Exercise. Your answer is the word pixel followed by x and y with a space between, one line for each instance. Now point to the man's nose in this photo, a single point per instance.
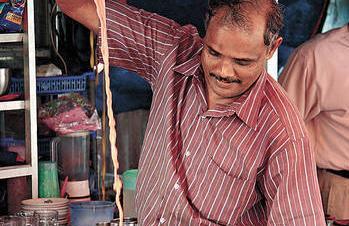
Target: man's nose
pixel 226 68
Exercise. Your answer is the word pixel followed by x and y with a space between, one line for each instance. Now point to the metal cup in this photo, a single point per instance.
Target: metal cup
pixel 5 75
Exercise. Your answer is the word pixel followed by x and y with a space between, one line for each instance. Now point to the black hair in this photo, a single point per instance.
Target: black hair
pixel 239 15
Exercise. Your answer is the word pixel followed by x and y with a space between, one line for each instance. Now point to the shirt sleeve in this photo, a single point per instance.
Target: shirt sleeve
pixel 291 188
pixel 298 80
pixel 137 40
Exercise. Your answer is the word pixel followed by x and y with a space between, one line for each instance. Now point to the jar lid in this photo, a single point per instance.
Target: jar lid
pixel 45 202
pixel 128 221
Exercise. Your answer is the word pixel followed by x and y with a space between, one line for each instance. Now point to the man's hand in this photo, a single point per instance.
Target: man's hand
pixel 83 11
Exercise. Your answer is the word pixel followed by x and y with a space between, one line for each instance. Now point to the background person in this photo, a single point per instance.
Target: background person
pixel 315 78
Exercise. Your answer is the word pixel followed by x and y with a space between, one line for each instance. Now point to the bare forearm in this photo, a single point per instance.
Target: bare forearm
pixel 83 11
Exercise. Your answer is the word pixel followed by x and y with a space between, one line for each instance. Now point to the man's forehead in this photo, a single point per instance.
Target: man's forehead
pixel 234 42
pixel 246 21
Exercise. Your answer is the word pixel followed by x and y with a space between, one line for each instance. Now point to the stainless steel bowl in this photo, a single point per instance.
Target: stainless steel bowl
pixel 5 75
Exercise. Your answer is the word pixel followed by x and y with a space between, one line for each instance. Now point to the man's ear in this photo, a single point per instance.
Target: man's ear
pixel 274 45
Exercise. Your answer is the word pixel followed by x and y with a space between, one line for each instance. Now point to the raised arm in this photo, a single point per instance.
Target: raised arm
pixel 83 11
pixel 138 40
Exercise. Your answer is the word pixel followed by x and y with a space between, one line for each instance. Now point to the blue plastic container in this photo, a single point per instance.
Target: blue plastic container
pixel 55 84
pixel 9 142
pixel 90 213
pixel 43 144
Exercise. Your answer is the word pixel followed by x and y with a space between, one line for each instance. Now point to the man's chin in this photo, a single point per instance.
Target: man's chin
pixel 228 95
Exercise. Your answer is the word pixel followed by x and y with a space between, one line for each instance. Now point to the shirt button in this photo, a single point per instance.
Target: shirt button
pixel 187 154
pixel 176 186
pixel 162 220
pixel 203 117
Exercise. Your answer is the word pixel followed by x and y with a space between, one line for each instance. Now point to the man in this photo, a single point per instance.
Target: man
pixel 315 78
pixel 223 145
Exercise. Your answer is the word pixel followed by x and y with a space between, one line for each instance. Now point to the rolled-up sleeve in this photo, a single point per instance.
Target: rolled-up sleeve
pixel 137 40
pixel 291 188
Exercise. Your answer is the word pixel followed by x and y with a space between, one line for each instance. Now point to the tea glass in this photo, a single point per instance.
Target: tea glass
pixel 46 217
pixel 27 218
pixel 10 221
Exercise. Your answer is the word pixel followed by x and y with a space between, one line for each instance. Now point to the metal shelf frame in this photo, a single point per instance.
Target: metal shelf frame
pixel 11 105
pixel 11 37
pixel 16 171
pixel 29 104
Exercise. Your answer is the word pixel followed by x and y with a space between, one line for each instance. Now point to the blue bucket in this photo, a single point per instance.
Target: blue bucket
pixel 90 213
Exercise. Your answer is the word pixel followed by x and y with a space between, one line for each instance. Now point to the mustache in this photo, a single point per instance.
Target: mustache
pixel 225 79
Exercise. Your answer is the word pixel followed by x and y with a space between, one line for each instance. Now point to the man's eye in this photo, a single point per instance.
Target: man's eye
pixel 243 62
pixel 213 53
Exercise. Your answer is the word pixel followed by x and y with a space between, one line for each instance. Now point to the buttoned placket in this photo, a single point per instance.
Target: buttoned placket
pixel 162 220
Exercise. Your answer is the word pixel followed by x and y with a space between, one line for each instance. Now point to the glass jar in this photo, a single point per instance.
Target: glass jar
pixel 27 218
pixel 10 221
pixel 128 221
pixel 46 217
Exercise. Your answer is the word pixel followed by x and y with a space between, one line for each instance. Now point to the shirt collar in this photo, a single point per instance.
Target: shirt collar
pixel 247 106
pixel 248 110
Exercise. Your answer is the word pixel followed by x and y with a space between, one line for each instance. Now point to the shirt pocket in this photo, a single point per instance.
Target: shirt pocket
pixel 231 163
pixel 227 176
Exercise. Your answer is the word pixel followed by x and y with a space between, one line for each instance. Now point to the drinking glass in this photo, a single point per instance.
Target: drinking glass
pixel 10 221
pixel 27 218
pixel 48 180
pixel 46 217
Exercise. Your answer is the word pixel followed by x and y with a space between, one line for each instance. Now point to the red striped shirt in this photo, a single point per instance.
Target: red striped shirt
pixel 245 164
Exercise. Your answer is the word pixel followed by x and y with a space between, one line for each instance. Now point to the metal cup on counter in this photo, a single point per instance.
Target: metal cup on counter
pixel 5 79
pixel 128 221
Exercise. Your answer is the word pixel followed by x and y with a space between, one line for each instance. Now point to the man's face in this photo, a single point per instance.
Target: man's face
pixel 232 58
